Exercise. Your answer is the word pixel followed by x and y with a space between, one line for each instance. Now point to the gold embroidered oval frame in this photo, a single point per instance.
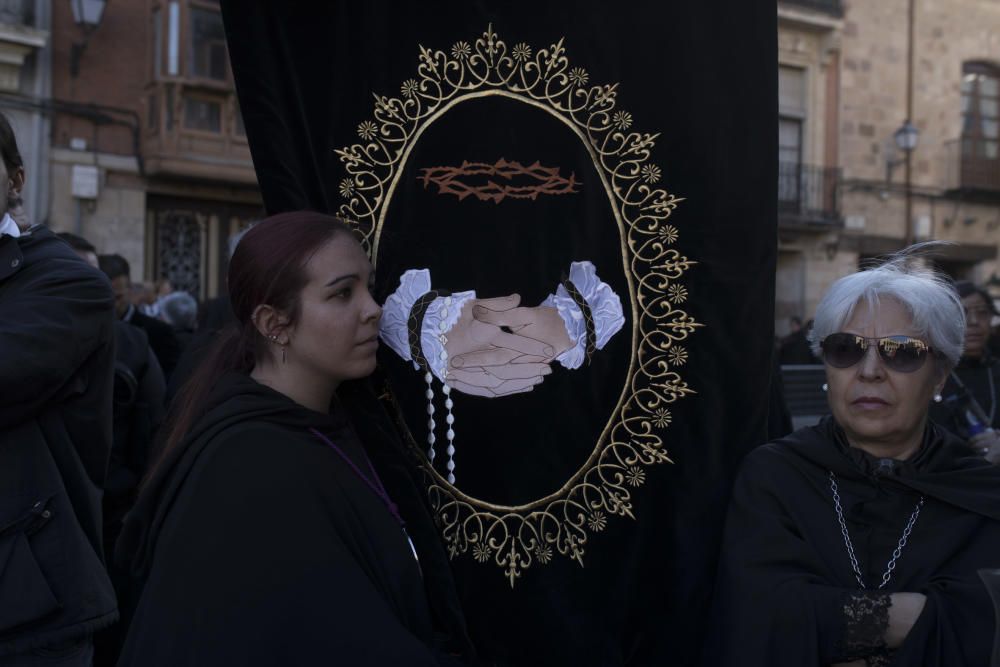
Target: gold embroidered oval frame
pixel 516 537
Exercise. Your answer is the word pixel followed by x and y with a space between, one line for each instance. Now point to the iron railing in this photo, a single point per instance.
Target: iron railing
pixel 808 192
pixel 972 164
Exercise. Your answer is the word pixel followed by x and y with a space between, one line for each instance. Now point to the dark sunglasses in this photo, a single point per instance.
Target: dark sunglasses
pixel 898 353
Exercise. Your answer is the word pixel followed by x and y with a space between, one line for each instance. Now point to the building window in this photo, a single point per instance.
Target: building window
pixel 157 44
pixel 792 115
pixel 153 113
pixel 792 112
pixel 202 114
pixel 18 12
pixel 789 141
pixel 173 38
pixel 179 249
pixel 169 103
pixel 207 45
pixel 980 125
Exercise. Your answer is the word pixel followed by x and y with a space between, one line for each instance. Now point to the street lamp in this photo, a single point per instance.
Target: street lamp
pixel 906 139
pixel 87 14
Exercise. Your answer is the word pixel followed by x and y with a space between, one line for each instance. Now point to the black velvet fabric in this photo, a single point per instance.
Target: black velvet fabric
pixel 787 594
pixel 306 74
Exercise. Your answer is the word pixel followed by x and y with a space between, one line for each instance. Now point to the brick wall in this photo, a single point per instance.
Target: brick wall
pixel 114 69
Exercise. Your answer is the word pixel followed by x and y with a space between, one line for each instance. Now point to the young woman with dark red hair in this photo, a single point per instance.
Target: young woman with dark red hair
pixel 268 534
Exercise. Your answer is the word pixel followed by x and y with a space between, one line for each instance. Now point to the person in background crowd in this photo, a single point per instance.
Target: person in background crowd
pixel 795 348
pixel 968 405
pixel 139 406
pixel 180 311
pixel 857 541
pixel 82 247
pixel 269 533
pixel 153 294
pixel 214 315
pixel 161 336
pixel 56 363
pixel 217 313
pixel 163 287
pixel 143 296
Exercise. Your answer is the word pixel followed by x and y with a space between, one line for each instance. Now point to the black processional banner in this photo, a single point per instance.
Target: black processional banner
pixel 571 210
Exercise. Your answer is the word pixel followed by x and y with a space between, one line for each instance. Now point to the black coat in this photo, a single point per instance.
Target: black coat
pixel 786 593
pixel 139 408
pixel 56 359
pixel 161 338
pixel 261 546
pixel 796 349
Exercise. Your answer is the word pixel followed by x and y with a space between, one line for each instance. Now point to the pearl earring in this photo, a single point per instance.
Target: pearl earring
pixel 938 398
pixel 825 387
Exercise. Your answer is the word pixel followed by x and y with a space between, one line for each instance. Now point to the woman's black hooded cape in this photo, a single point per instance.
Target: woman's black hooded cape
pixel 786 593
pixel 260 546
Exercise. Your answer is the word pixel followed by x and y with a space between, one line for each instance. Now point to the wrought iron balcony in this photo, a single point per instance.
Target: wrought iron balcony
pixel 973 166
pixel 808 196
pixel 831 7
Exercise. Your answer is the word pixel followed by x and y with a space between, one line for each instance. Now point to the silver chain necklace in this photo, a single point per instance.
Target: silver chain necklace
pixel 850 547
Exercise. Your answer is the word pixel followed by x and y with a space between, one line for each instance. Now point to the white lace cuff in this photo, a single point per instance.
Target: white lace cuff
pixel 605 307
pixel 440 316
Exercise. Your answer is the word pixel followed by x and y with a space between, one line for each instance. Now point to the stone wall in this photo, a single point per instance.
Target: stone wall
pixel 115 221
pixel 873 105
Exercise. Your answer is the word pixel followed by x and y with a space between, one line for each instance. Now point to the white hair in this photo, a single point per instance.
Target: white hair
pixel 929 297
pixel 179 310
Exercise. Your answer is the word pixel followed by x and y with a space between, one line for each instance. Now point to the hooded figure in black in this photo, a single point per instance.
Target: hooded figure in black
pixel 969 404
pixel 268 534
pixel 859 541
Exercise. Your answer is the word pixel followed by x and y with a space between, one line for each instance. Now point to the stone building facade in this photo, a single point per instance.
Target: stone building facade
pixel 843 80
pixel 148 155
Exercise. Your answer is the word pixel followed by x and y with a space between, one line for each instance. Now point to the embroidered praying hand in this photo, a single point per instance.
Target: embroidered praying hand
pixel 485 360
pixel 496 347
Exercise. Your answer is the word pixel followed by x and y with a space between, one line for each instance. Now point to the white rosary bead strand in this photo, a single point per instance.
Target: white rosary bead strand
pixel 429 379
pixel 450 420
pixel 448 404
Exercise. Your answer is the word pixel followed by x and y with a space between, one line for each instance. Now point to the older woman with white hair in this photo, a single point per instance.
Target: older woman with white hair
pixel 857 541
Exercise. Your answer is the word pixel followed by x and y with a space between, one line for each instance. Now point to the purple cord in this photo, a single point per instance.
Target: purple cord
pixel 377 487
